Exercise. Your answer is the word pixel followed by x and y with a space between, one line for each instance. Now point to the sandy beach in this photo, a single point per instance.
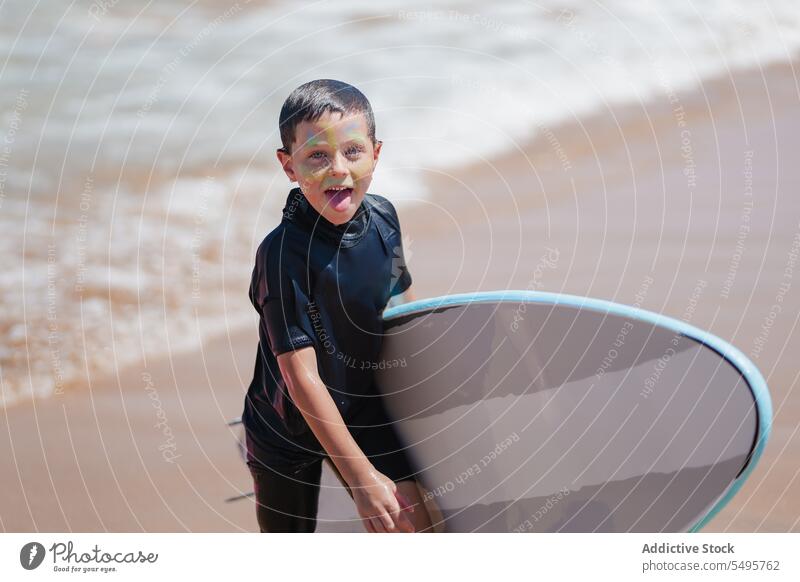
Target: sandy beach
pixel 654 190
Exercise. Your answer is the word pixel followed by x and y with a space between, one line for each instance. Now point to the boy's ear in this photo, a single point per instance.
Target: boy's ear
pixel 285 159
pixel 376 151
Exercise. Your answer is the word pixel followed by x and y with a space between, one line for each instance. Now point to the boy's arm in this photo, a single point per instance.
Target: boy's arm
pixel 373 492
pixel 311 396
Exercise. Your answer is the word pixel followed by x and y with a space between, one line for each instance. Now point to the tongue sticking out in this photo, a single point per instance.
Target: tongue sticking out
pixel 339 200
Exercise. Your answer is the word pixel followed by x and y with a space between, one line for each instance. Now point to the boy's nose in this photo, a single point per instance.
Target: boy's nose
pixel 338 165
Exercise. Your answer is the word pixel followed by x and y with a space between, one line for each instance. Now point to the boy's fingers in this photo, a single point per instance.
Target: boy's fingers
pixel 405 504
pixel 368 526
pixel 403 524
pixel 386 521
pixel 377 524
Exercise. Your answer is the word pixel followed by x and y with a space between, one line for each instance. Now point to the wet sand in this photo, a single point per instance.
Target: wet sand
pixel 654 191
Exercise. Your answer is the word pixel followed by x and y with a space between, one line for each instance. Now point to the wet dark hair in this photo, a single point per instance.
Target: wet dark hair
pixel 311 100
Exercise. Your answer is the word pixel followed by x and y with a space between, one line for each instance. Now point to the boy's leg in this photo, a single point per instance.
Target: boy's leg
pixel 287 501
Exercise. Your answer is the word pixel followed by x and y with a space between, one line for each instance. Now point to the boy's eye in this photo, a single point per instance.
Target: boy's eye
pixel 354 151
pixel 317 155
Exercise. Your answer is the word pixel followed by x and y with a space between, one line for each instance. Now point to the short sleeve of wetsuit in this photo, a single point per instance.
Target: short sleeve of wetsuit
pixel 401 277
pixel 276 291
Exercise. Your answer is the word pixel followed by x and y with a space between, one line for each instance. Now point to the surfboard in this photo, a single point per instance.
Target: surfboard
pixel 525 411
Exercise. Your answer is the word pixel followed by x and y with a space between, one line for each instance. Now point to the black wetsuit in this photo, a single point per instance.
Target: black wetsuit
pixel 322 285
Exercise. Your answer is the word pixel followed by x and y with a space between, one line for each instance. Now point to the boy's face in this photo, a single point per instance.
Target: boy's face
pixel 332 160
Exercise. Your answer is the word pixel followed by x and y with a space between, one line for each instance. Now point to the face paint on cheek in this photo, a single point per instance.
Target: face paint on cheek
pixel 363 167
pixel 310 171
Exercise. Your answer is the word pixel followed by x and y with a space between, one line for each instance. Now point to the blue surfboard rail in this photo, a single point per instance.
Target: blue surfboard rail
pixel 742 363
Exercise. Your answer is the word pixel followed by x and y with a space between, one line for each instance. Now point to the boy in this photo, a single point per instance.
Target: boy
pixel 320 282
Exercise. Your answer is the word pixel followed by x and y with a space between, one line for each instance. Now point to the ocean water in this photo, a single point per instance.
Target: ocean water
pixel 137 168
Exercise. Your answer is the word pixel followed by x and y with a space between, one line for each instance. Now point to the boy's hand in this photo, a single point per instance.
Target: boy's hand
pixel 381 508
